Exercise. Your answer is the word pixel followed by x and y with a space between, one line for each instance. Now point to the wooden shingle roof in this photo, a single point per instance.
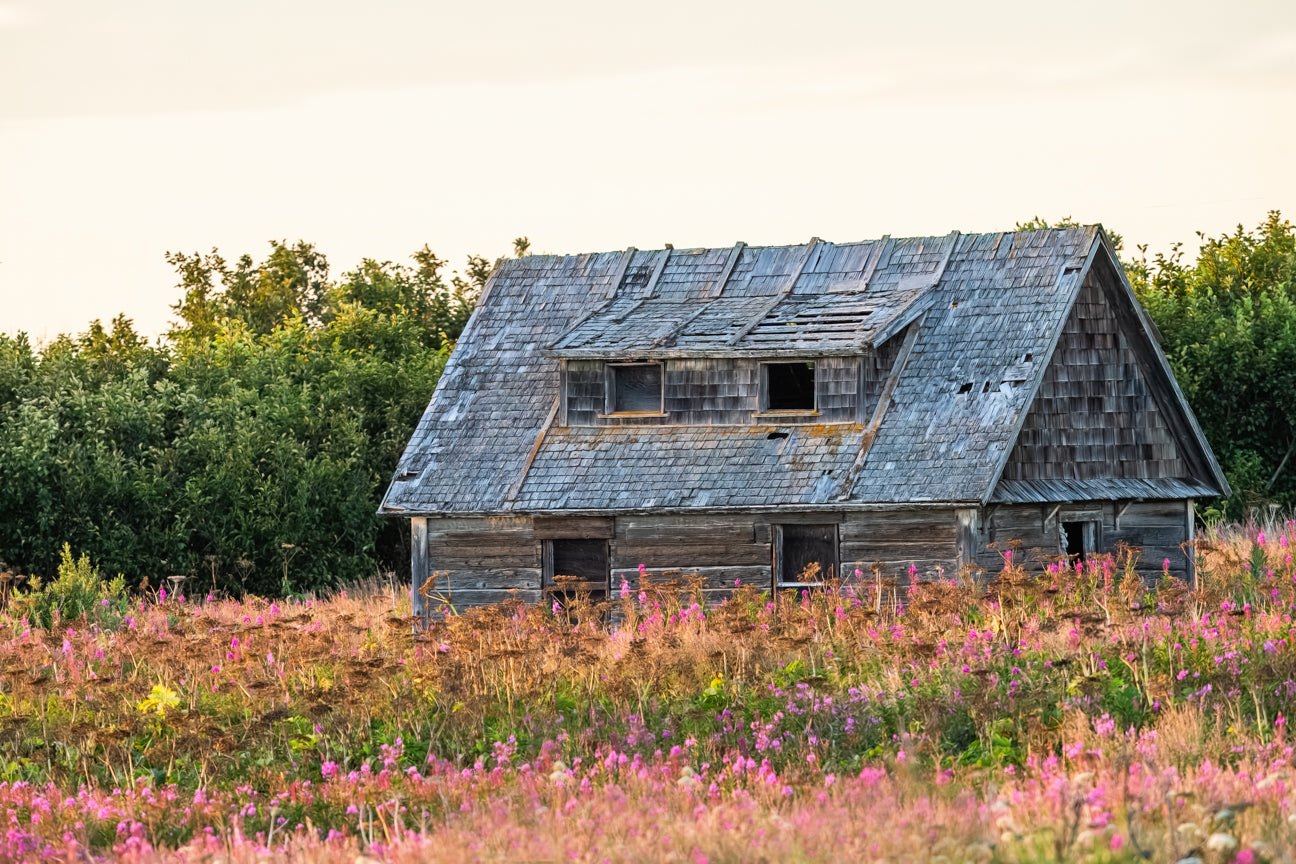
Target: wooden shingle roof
pixel 986 309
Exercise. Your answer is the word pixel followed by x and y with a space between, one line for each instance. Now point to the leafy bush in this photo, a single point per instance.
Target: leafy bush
pixel 79 591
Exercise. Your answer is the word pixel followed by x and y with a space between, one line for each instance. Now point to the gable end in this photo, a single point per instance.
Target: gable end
pixel 1107 420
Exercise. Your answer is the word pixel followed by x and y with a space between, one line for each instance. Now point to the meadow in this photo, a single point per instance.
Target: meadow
pixel 1046 712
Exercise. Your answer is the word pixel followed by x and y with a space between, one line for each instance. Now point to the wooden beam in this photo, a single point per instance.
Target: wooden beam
pixel 511 495
pixel 1048 517
pixel 866 440
pixel 778 298
pixel 562 392
pixel 418 565
pixel 872 264
pixel 730 262
pixel 1190 519
pixel 1121 507
pixel 622 268
pixel 656 274
pixel 616 286
pixel 967 535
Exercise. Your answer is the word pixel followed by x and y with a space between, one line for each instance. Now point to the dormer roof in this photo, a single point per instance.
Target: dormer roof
pixel 820 299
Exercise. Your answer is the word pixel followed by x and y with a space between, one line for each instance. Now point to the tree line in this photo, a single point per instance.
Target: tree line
pixel 248 448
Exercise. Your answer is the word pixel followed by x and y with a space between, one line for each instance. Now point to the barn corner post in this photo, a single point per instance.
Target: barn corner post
pixel 1190 527
pixel 418 567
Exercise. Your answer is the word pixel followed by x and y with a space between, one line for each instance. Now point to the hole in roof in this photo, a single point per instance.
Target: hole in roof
pixel 986 388
pixel 966 388
pixel 774 436
pixel 1028 358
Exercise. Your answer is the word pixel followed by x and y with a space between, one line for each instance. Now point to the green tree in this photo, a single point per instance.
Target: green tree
pixel 1227 322
pixel 251 445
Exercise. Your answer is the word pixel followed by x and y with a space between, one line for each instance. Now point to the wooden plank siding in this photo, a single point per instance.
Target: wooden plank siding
pixel 485 560
pixel 897 539
pixel 1157 528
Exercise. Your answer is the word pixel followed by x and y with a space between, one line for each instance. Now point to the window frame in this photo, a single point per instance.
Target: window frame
pixel 779 558
pixel 547 581
pixel 763 400
pixel 609 389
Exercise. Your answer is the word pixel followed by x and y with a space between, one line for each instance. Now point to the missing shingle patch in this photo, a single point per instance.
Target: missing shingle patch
pixel 966 388
pixel 774 436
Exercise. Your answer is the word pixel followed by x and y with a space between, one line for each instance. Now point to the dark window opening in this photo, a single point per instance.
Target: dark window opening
pixel 636 388
pixel 577 567
pixel 806 555
pixel 789 386
pixel 1078 539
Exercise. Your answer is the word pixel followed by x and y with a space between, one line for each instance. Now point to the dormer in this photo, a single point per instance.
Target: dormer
pixel 792 335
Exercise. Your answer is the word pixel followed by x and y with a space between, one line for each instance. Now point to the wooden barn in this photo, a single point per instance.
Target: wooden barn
pixel 743 413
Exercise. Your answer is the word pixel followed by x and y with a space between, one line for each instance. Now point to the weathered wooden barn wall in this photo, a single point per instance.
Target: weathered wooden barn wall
pixel 1157 528
pixel 479 560
pixel 1095 414
pixel 926 539
pixel 725 391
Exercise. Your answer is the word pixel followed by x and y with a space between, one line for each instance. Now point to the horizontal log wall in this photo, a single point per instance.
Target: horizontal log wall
pixel 477 561
pixel 926 540
pixel 470 556
pixel 1156 528
pixel 726 392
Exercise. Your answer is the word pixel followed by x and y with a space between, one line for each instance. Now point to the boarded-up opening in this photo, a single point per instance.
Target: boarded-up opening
pixel 789 386
pixel 577 566
pixel 635 388
pixel 805 555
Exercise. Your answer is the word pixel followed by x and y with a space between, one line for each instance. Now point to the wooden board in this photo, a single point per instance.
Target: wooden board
pixel 711 577
pixel 626 554
pixel 574 527
pixel 519 577
pixel 465 598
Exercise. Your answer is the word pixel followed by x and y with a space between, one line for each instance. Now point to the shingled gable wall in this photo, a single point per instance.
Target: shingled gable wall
pixel 651 494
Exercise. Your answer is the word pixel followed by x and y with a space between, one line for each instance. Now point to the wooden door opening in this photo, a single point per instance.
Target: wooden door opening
pixel 1078 540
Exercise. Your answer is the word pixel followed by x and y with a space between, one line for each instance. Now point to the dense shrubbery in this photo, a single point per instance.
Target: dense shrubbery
pixel 250 447
pixel 1228 325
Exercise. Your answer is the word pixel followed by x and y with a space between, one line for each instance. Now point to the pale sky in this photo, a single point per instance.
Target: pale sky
pixel 133 128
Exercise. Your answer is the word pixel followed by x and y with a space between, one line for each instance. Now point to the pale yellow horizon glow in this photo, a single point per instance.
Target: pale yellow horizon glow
pixel 135 128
